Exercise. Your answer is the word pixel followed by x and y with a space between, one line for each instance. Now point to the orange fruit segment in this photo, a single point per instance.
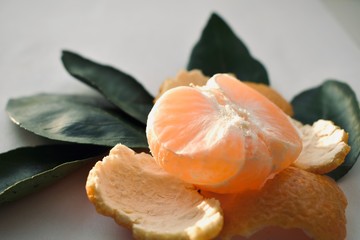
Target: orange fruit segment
pixel 273 96
pixel 324 146
pixel 141 196
pixel 293 199
pixel 223 137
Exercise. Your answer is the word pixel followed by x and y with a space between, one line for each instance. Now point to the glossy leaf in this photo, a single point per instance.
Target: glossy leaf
pixel 75 118
pixel 118 87
pixel 334 101
pixel 25 170
pixel 219 50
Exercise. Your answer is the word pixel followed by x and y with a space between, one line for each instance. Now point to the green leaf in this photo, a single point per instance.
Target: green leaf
pixel 75 118
pixel 334 101
pixel 25 170
pixel 118 87
pixel 219 50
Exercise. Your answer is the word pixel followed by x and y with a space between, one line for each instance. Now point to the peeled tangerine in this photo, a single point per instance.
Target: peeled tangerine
pixel 223 137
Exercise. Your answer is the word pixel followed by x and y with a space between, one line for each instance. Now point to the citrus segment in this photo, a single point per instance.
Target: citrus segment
pixel 223 137
pixel 189 140
pixel 273 96
pixel 293 199
pixel 141 196
pixel 324 146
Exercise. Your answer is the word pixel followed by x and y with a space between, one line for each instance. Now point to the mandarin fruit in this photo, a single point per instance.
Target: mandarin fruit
pixel 141 196
pixel 223 137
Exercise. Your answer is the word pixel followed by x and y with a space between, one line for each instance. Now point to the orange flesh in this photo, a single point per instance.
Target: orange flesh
pixel 195 134
pixel 223 137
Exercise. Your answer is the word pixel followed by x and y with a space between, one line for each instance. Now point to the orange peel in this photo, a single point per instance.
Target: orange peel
pixel 195 77
pixel 139 195
pixel 293 199
pixel 183 78
pixel 324 146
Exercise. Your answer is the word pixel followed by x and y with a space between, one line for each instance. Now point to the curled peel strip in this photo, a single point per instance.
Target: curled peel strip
pixel 324 146
pixel 141 196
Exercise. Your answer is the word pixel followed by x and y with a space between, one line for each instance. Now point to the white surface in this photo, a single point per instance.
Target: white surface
pixel 301 44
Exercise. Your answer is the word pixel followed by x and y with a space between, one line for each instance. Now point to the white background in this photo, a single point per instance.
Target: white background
pixel 301 43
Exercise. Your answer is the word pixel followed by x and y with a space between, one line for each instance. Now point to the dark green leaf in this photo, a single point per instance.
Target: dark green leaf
pixel 75 118
pixel 25 170
pixel 334 101
pixel 219 50
pixel 118 87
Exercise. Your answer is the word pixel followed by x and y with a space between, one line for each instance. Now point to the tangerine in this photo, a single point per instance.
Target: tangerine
pixel 223 137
